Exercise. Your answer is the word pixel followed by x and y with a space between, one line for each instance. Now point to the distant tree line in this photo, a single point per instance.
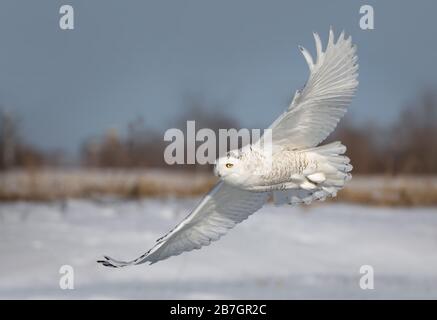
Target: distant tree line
pixel 142 147
pixel 407 146
pixel 15 151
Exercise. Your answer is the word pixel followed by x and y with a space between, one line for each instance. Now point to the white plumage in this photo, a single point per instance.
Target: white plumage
pixel 317 108
pixel 300 171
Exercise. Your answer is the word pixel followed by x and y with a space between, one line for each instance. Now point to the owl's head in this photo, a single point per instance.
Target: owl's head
pixel 229 167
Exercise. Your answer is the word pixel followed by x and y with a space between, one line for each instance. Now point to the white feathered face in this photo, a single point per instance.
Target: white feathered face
pixel 229 168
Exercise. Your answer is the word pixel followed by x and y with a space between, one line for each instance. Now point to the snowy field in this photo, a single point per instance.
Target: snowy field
pixel 284 252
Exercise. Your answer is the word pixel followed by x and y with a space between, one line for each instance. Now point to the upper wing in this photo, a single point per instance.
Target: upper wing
pixel 317 108
pixel 221 209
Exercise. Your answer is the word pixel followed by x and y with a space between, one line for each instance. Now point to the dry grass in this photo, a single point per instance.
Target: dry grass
pixel 49 185
pixel 390 197
pixel 391 191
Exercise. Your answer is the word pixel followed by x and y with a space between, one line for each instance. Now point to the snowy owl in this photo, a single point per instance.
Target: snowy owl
pixel 300 171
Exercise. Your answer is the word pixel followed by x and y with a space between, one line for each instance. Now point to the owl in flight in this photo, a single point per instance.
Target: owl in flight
pixel 300 170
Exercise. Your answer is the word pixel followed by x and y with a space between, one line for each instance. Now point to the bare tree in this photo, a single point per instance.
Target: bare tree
pixel 8 138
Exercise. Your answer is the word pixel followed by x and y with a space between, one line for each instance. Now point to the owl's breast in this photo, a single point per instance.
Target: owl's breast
pixel 285 169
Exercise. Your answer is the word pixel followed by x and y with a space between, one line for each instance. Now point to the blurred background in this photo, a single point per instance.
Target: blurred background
pixel 82 119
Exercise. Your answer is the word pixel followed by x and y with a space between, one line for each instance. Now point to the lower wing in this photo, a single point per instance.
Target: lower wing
pixel 220 210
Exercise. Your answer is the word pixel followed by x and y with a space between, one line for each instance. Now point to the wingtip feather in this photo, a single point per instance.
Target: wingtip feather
pixel 318 46
pixel 307 56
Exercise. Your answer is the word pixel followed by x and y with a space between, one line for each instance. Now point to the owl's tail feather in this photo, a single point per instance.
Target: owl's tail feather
pixel 322 181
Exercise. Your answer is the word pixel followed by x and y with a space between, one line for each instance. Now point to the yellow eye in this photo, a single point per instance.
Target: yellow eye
pixel 229 165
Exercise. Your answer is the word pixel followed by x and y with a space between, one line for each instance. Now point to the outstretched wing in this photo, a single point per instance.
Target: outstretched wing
pixel 317 108
pixel 221 209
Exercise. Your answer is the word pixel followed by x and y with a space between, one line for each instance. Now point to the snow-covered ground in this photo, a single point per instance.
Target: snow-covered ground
pixel 284 252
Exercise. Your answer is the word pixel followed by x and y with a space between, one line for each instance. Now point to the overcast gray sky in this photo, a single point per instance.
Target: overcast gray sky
pixel 141 58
